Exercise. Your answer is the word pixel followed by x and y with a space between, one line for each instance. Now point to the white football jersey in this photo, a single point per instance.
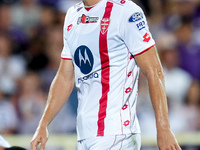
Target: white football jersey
pixel 102 42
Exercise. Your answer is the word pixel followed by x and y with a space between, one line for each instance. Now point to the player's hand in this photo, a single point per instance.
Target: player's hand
pixel 40 137
pixel 166 140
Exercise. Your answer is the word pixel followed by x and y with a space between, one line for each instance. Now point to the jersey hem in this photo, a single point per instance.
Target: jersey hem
pixel 86 137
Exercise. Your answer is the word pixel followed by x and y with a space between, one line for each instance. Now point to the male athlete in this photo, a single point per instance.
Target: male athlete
pixel 105 44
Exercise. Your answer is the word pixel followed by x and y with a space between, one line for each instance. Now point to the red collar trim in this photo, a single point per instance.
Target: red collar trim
pixel 89 7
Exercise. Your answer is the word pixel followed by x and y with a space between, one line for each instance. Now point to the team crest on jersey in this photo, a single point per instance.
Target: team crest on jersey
pixel 136 17
pixel 87 19
pixel 104 25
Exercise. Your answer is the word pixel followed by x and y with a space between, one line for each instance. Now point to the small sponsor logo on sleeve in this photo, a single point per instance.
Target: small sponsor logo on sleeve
pixel 136 17
pixel 146 38
pixel 141 25
pixel 69 27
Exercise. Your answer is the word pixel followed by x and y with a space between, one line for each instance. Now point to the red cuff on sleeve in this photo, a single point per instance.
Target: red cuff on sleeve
pixel 144 50
pixel 66 58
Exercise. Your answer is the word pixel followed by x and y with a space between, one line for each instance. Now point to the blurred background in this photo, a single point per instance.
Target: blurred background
pixel 30 46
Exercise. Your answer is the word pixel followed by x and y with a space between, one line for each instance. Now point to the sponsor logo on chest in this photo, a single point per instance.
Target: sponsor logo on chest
pixel 87 19
pixel 84 59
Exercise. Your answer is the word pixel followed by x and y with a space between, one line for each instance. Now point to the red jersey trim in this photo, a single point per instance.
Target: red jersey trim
pixel 66 58
pixel 105 73
pixel 144 50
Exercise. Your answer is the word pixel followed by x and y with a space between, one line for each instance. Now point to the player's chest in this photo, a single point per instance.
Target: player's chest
pixel 86 28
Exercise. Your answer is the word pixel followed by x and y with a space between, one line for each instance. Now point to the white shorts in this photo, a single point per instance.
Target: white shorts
pixel 115 142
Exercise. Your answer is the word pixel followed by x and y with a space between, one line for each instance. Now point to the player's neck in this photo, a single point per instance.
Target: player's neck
pixel 90 2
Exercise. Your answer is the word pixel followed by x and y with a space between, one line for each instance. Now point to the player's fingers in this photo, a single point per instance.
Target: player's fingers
pixel 177 147
pixel 34 144
pixel 43 143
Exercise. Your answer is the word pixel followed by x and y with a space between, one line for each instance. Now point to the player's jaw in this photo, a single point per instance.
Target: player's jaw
pixel 90 2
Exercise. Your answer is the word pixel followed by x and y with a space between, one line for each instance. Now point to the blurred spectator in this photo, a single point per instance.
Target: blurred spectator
pixel 47 19
pixel 185 118
pixel 7 1
pixel 53 48
pixel 49 2
pixel 35 54
pixel 177 81
pixel 8 116
pixel 64 5
pixel 12 67
pixel 192 104
pixel 25 14
pixel 16 35
pixel 189 51
pixel 31 101
pixel 196 25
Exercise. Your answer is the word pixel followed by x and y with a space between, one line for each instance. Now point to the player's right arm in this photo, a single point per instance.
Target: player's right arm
pixel 59 93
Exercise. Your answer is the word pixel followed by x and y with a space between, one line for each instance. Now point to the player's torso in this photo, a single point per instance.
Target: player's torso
pixel 103 67
pixel 84 39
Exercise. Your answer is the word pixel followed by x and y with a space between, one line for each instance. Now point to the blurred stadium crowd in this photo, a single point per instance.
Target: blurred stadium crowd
pixel 30 46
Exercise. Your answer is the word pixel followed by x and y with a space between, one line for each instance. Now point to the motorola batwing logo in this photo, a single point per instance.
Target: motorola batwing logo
pixel 84 59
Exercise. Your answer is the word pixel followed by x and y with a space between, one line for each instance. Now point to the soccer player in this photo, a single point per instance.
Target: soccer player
pixel 106 43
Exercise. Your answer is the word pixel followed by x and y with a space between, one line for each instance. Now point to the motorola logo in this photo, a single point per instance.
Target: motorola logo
pixel 84 59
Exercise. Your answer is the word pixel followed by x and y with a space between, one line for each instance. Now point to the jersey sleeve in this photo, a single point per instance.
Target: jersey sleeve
pixel 134 29
pixel 66 50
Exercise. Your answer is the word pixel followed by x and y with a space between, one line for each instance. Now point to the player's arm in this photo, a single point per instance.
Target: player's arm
pixel 150 65
pixel 59 93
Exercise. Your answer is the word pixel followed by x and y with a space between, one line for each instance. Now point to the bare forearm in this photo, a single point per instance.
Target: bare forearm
pixel 158 97
pixel 59 92
pixel 58 95
pixel 151 67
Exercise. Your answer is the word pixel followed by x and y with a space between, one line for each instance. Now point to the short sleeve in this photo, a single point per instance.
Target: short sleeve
pixel 134 29
pixel 66 50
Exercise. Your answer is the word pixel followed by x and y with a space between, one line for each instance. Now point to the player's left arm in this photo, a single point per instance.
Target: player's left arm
pixel 150 66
